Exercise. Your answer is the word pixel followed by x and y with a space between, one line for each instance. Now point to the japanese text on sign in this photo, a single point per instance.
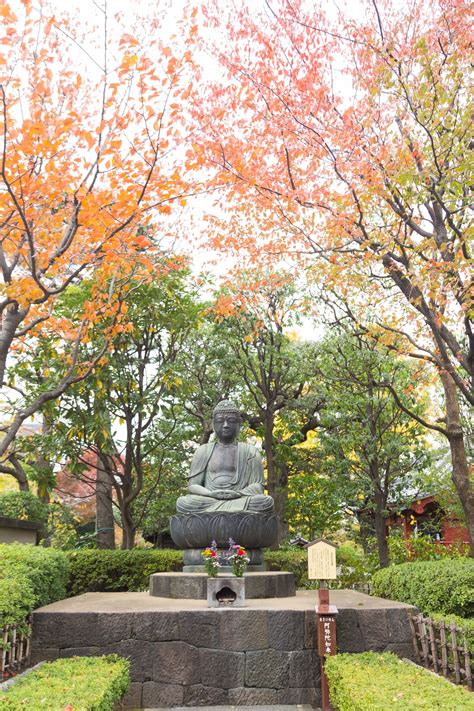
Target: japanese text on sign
pixel 327 636
pixel 321 561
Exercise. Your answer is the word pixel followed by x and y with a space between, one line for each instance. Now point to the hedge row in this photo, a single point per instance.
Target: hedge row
pixel 30 577
pixel 377 682
pixel 79 683
pixel 117 570
pixel 442 586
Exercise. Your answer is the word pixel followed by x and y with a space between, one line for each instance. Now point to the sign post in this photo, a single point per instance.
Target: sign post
pixel 322 567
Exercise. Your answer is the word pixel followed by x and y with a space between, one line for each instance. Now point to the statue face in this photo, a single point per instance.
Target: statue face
pixel 226 426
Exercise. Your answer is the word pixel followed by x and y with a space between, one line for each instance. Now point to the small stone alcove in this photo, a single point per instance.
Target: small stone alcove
pixel 226 592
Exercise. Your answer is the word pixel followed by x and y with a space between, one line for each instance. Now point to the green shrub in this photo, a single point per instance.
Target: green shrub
pixel 85 683
pixel 292 561
pixel 29 577
pixel 23 505
pixel 351 563
pixel 379 682
pixel 420 547
pixel 444 586
pixel 117 570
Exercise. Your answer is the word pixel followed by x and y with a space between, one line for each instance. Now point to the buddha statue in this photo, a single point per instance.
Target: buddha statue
pixel 225 475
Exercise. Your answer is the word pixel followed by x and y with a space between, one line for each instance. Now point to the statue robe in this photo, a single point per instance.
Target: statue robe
pixel 247 481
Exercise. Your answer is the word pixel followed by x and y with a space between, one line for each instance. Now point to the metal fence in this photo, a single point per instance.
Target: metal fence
pixel 443 648
pixel 14 649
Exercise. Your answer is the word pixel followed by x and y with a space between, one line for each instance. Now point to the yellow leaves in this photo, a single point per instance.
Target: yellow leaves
pixel 128 63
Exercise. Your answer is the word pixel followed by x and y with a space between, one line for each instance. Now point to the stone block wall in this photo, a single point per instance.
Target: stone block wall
pixel 216 657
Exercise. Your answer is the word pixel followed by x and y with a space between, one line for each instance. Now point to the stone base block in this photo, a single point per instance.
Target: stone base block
pixel 184 654
pixel 226 592
pixel 194 585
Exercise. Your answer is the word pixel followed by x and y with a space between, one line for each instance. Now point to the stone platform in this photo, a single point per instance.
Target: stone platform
pixel 184 654
pixel 194 585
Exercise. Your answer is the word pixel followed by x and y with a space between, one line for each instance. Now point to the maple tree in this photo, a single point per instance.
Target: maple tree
pixel 349 139
pixel 89 171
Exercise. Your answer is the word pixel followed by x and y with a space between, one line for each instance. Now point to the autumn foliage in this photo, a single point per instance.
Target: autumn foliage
pixel 347 139
pixel 90 126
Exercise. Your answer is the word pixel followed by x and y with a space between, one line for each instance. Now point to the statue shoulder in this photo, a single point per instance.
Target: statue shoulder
pixel 201 458
pixel 250 450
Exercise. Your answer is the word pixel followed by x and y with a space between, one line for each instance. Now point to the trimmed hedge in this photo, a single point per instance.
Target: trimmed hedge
pixel 117 570
pixel 84 683
pixel 292 561
pixel 442 586
pixel 378 682
pixel 30 577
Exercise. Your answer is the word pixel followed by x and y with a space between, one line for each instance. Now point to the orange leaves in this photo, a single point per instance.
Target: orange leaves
pixel 7 13
pixel 24 290
pixel 128 62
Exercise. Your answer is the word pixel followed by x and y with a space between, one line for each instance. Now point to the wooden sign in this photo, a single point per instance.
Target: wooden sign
pixel 326 635
pixel 321 560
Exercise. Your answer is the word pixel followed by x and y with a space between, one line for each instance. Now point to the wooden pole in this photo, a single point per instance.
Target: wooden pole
pixel 467 663
pixel 455 649
pixel 434 650
pixel 444 648
pixel 326 626
pixel 414 636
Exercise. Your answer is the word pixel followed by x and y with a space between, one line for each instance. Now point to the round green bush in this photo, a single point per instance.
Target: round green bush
pixel 30 577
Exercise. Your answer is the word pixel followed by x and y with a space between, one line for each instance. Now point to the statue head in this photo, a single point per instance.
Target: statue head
pixel 226 421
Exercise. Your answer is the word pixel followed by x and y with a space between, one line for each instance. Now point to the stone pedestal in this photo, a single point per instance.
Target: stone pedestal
pixel 193 586
pixel 193 561
pixel 194 532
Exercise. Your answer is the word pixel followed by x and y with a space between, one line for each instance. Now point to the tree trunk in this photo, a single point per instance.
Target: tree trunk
pixel 381 532
pixel 19 473
pixel 129 529
pixel 460 466
pixel 105 536
pixel 273 475
pixel 281 499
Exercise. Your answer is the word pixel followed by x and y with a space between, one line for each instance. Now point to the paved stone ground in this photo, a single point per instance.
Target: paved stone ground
pixel 143 602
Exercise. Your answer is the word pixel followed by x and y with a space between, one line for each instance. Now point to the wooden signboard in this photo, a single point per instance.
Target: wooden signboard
pixel 321 560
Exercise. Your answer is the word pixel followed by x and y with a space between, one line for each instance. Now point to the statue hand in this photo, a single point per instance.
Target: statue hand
pixel 226 494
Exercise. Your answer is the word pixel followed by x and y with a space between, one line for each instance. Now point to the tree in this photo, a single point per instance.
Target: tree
pixel 350 140
pixel 274 371
pixel 371 449
pixel 123 412
pixel 87 131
